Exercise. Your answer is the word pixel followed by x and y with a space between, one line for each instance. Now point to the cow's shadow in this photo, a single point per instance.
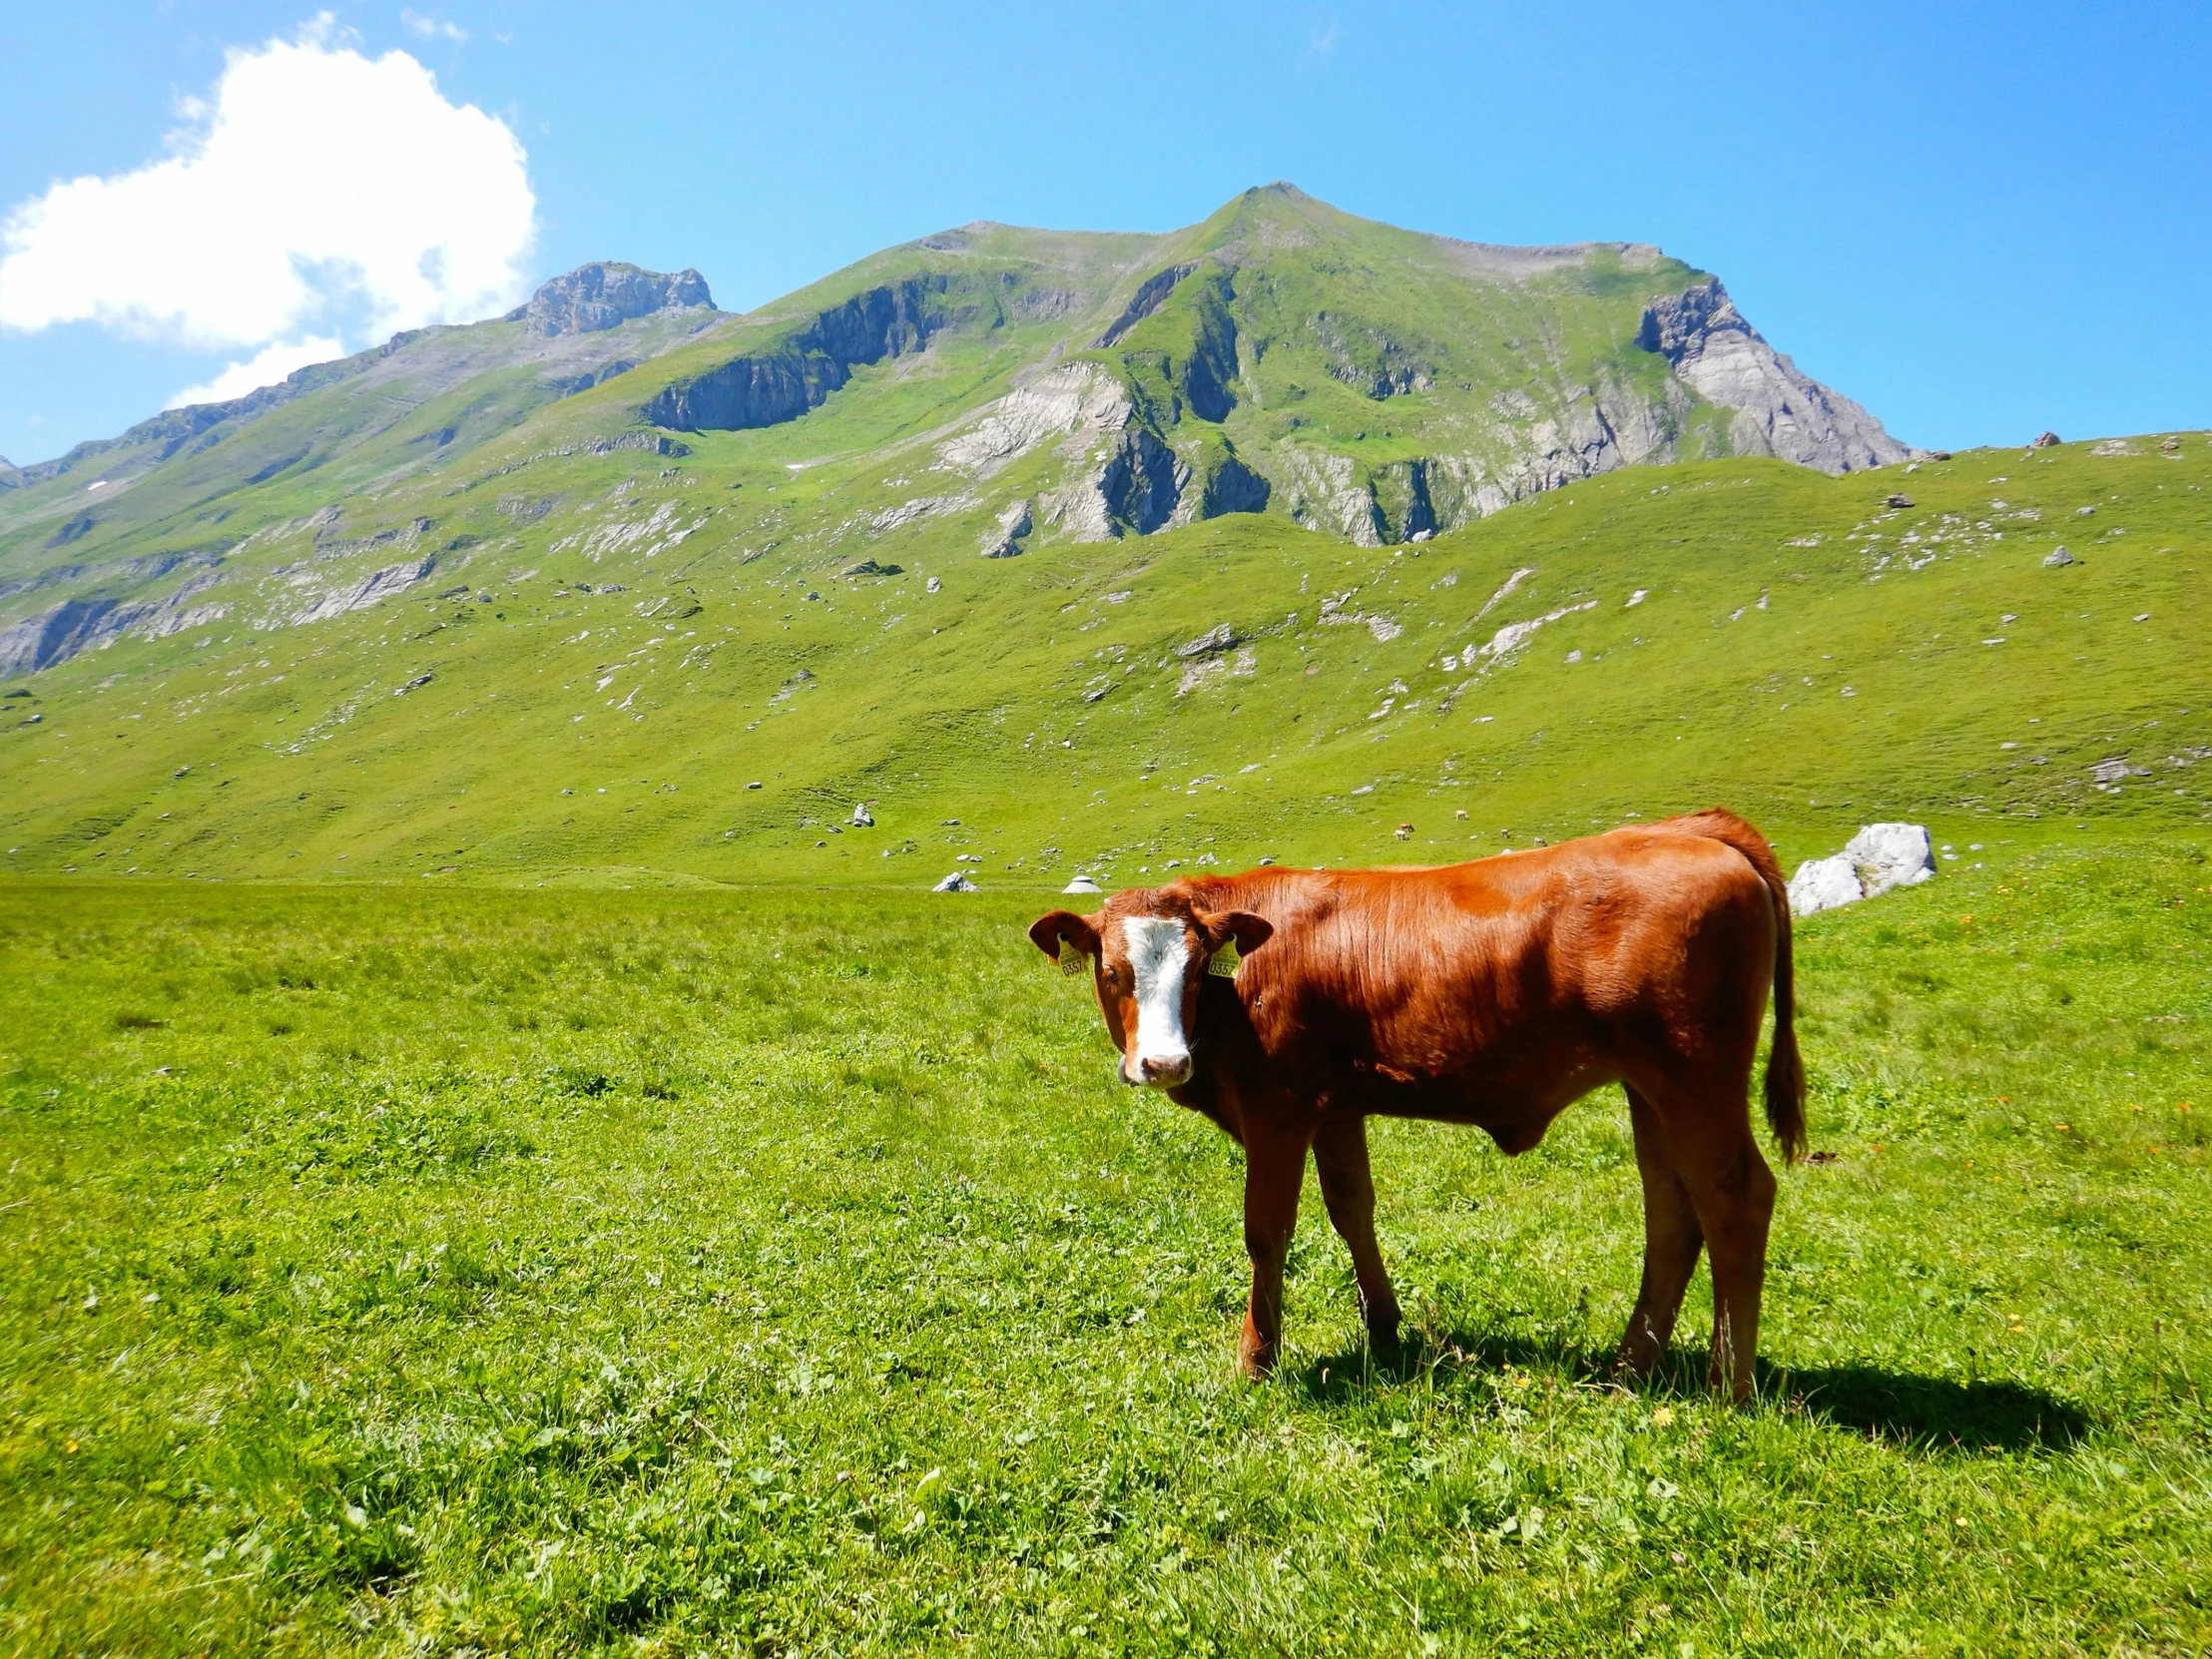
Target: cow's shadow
pixel 1927 1413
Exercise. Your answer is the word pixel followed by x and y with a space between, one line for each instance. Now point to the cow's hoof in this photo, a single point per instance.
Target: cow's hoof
pixel 1383 1327
pixel 1255 1365
pixel 1641 1349
pixel 1632 1365
pixel 1736 1391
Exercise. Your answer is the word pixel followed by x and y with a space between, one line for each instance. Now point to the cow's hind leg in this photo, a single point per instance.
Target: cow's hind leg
pixel 1348 1187
pixel 1275 1169
pixel 1672 1239
pixel 1709 1146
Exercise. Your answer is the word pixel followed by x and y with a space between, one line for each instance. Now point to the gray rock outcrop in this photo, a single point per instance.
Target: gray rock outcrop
pixel 312 601
pixel 78 625
pixel 783 377
pixel 957 882
pixel 1780 412
pixel 1060 404
pixel 607 294
pixel 1003 539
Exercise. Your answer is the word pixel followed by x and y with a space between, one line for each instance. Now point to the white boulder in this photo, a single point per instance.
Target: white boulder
pixel 1890 855
pixel 957 882
pixel 1881 858
pixel 1082 884
pixel 1824 884
pixel 863 819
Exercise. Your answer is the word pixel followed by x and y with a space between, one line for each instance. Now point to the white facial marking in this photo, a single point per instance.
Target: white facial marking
pixel 1159 959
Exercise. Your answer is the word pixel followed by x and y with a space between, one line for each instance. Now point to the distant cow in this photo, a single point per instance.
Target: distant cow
pixel 1494 994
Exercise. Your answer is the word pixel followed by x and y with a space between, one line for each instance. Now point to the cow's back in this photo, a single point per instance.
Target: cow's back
pixel 1522 971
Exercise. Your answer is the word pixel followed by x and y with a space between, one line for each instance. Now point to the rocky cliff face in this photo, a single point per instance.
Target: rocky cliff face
pixel 605 295
pixel 796 368
pixel 55 635
pixel 1778 411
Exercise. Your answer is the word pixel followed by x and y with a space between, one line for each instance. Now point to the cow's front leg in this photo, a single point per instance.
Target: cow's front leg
pixel 1347 1188
pixel 1274 1168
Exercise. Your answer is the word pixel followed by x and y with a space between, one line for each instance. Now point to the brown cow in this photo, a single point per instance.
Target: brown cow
pixel 1493 993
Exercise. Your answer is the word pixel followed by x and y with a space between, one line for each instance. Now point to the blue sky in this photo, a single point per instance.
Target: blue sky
pixel 1978 220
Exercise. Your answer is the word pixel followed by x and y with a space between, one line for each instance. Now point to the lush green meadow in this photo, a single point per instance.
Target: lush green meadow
pixel 705 1271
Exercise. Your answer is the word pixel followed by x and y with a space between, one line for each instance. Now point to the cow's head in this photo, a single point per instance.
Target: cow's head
pixel 1147 951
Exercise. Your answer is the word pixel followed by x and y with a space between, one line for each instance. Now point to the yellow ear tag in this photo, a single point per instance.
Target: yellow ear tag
pixel 1224 961
pixel 1072 961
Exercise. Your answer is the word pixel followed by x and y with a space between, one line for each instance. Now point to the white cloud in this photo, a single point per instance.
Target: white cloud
pixel 263 368
pixel 317 193
pixel 432 28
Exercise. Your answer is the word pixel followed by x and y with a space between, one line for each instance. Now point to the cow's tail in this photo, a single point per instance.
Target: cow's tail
pixel 1784 1067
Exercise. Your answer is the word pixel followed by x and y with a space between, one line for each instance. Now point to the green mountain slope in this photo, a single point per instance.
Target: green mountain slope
pixel 1282 356
pixel 1115 548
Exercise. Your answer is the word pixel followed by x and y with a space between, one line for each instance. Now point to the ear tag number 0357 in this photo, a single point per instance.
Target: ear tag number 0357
pixel 1072 961
pixel 1223 963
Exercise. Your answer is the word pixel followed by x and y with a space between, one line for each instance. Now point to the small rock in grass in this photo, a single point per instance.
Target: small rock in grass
pixel 957 882
pixel 2058 556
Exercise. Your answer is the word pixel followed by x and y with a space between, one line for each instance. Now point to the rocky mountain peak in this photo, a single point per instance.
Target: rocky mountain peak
pixel 1778 410
pixel 606 293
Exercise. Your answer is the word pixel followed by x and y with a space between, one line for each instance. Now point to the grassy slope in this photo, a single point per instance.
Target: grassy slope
pixel 389 1272
pixel 371 424
pixel 480 461
pixel 969 703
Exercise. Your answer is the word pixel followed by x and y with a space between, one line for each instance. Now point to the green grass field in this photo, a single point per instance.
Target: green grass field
pixel 467 1271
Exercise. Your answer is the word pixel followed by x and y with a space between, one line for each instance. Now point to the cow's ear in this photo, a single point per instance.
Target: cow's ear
pixel 1231 934
pixel 1066 937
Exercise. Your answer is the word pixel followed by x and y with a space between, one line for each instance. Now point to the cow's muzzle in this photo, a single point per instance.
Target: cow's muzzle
pixel 1157 1071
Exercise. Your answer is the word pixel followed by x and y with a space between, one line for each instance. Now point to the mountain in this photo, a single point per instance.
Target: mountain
pixel 849 546
pixel 1282 356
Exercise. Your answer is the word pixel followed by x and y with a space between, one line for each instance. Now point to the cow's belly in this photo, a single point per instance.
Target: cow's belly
pixel 1515 1109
